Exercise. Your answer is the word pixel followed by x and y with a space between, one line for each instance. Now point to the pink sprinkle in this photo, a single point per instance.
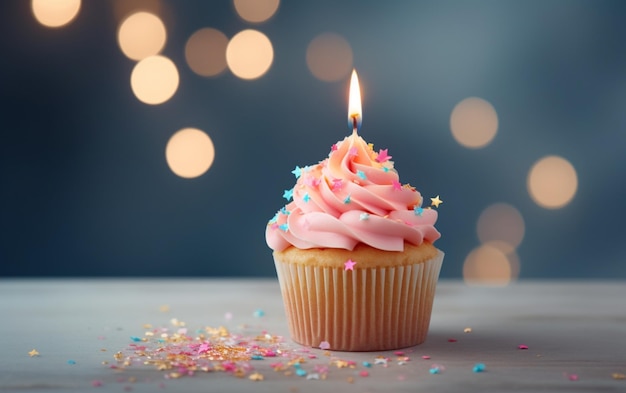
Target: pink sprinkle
pixel 364 373
pixel 452 340
pixel 522 346
pixel 572 377
pixel 312 356
pixel 96 383
pixel 398 353
pixel 324 345
pixel 426 357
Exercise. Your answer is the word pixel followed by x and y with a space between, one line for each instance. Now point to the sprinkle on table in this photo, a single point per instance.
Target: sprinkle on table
pixel 478 368
pixel 325 344
pixel 467 330
pixel 33 353
pixel 522 346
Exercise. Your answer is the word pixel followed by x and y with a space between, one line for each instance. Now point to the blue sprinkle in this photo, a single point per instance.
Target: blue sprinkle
pixel 361 174
pixel 284 227
pixel 479 368
pixel 296 365
pixel 259 313
pixel 257 357
pixel 434 370
pixel 367 364
pixel 300 372
pixel 71 362
pixel 135 339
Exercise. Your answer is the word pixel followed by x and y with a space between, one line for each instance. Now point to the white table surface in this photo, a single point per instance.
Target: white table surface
pixel 573 330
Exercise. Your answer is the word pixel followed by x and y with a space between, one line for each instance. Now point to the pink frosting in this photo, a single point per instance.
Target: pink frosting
pixel 353 196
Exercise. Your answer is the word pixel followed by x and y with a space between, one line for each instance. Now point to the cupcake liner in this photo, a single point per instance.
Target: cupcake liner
pixel 369 309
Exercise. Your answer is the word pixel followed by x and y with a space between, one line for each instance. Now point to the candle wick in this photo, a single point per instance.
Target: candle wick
pixel 354 123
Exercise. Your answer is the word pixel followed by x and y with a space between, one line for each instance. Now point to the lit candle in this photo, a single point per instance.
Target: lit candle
pixel 355 114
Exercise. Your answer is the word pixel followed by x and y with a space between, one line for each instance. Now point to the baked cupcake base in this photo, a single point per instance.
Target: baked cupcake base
pixel 370 308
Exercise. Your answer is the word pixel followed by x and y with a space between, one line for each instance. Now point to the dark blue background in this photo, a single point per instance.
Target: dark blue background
pixel 85 189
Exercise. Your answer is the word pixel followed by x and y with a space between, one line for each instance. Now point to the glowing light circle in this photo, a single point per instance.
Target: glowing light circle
pixel 154 80
pixel 55 13
pixel 189 153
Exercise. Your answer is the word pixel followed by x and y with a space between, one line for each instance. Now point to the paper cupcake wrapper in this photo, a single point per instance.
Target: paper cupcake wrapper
pixel 370 309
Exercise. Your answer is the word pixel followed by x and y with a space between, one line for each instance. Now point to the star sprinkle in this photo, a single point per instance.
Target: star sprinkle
pixel 349 265
pixel 306 197
pixel 436 201
pixel 284 227
pixel 288 194
pixel 347 200
pixel 33 353
pixel 361 174
pixel 383 155
pixel 364 217
pixel 396 185
pixel 297 172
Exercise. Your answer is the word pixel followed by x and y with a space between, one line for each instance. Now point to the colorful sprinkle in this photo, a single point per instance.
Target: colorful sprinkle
pixel 347 199
pixel 383 156
pixel 306 197
pixel 33 353
pixel 288 194
pixel 325 344
pixel 349 264
pixel 522 346
pixel 71 362
pixel 361 175
pixel 297 172
pixel 258 313
pixel 436 201
pixel 255 377
pixel 364 217
pixel 467 330
pixel 478 368
pixel 396 185
pixel 364 373
pixel 418 210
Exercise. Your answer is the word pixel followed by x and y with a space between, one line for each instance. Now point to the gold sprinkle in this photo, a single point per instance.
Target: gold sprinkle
pixel 467 330
pixel 618 376
pixel 147 326
pixel 118 356
pixel 103 349
pixel 350 380
pixel 164 308
pixel 256 377
pixel 341 364
pixel 105 362
pixel 33 353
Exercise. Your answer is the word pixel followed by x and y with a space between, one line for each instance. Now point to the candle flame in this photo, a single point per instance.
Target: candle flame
pixel 355 114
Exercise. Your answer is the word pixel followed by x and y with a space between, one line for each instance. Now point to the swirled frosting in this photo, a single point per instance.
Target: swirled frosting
pixel 353 196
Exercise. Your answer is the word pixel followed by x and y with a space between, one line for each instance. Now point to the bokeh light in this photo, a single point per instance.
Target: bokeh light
pixel 474 122
pixel 501 223
pixel 189 153
pixel 487 265
pixel 552 182
pixel 140 35
pixel 329 57
pixel 249 54
pixel 205 52
pixel 55 13
pixel 154 80
pixel 256 11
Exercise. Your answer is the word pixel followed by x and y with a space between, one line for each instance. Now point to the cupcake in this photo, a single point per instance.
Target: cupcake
pixel 354 254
